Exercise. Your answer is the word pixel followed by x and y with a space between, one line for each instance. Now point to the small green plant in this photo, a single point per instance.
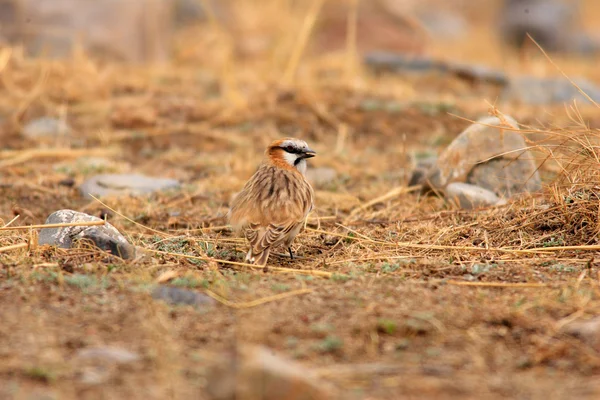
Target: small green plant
pixel 190 282
pixel 112 267
pixel 330 344
pixel 41 374
pixel 321 327
pixel 554 242
pixel 563 268
pixel 208 248
pixel 280 287
pixel 388 268
pixel 82 281
pixel 175 245
pixel 340 277
pixel 47 276
pixel 387 326
pixel 477 269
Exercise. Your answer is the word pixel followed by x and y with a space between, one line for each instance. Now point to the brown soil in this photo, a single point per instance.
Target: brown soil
pixel 400 308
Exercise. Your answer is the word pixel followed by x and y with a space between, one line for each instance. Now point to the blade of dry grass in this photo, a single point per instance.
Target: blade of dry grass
pixel 258 302
pixel 253 267
pixel 61 225
pixel 14 247
pixel 561 71
pixel 129 219
pixel 498 284
pixel 303 36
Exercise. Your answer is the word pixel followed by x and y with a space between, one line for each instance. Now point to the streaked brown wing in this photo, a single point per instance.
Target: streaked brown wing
pixel 261 237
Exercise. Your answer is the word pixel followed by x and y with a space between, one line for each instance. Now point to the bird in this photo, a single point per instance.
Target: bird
pixel 273 205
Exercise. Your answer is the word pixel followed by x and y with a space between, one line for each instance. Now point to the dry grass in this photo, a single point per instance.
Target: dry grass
pixel 393 294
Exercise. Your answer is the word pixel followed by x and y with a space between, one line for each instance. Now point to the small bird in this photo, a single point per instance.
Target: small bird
pixel 273 205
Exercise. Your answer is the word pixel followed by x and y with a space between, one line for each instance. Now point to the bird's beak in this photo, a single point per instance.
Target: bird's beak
pixel 308 153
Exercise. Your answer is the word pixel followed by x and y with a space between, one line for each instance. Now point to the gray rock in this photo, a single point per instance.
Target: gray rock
pixel 488 154
pixel 187 12
pixel 497 175
pixel 404 63
pixel 125 184
pixel 541 91
pixel 419 173
pixel 478 73
pixel 322 176
pixel 46 127
pixel 540 19
pixel 396 62
pixel 106 236
pixel 177 296
pixel 132 30
pixel 469 196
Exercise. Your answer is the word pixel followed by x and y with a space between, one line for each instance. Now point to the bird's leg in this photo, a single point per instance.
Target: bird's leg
pixel 291 254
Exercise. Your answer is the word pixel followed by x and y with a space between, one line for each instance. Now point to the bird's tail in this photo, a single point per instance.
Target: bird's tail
pixel 258 258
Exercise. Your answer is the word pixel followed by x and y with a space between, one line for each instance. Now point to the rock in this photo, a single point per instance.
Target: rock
pixel 259 373
pixel 46 127
pixel 177 296
pixel 587 330
pixel 538 18
pixel 405 63
pixel 478 73
pixel 397 62
pixel 489 155
pixel 97 365
pixel 106 236
pixel 423 164
pixel 134 30
pixel 469 196
pixel 541 91
pixel 187 12
pixel 125 184
pixel 320 177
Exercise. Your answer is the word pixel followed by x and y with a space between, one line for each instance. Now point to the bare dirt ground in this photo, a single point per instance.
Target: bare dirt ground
pixel 387 299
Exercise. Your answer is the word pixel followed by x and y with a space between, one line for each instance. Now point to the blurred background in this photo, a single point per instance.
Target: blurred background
pixel 185 30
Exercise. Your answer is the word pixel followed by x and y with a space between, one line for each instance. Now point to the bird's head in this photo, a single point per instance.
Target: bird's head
pixel 290 152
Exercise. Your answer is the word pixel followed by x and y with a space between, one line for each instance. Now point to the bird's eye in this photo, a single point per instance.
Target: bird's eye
pixel 289 149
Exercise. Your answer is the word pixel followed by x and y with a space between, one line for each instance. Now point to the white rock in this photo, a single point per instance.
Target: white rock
pixel 470 196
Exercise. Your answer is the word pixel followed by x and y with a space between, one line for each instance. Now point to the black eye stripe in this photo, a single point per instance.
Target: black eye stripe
pixel 291 149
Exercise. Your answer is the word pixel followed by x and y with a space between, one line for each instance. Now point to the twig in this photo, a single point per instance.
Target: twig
pixel 129 219
pixel 562 248
pixel 46 265
pixel 258 302
pixel 498 284
pixel 14 247
pixel 383 257
pixel 323 274
pixel 389 195
pixel 62 225
pixel 562 72
pixel 11 221
pixel 27 155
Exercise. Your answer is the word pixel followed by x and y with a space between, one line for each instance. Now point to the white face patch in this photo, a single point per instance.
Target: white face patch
pixel 290 158
pixel 301 167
